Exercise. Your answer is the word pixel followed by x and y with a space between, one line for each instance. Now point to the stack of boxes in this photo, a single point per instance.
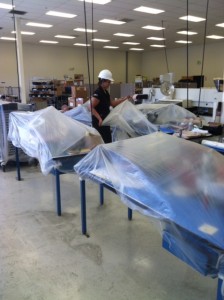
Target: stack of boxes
pixel 78 91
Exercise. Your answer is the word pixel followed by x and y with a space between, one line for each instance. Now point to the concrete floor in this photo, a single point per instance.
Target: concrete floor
pixel 45 257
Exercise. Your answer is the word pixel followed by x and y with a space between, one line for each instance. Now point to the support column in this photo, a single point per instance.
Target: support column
pixel 20 66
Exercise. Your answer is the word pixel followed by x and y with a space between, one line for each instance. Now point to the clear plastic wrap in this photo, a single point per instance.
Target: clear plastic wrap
pixel 80 113
pixel 48 133
pixel 180 184
pixel 127 121
pixel 166 113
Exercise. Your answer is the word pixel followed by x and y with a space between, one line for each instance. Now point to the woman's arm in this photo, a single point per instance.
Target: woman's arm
pixel 94 103
pixel 116 102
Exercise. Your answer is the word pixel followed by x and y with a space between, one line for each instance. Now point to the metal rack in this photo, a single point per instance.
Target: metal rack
pixel 7 150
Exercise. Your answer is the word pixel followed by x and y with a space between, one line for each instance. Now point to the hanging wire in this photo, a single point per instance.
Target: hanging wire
pixel 203 56
pixel 164 43
pixel 87 54
pixel 187 55
pixel 17 60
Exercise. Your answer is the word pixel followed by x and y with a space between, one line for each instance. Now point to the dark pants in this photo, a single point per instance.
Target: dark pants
pixel 103 130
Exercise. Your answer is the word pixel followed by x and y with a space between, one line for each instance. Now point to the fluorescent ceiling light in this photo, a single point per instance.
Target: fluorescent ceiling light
pixel 123 34
pixel 25 32
pixel 64 36
pixel 38 25
pixel 153 27
pixel 148 10
pixel 215 37
pixel 85 30
pixel 192 18
pixel 60 14
pixel 111 47
pixel 155 38
pixel 136 49
pixel 100 40
pixel 48 42
pixel 158 46
pixel 187 32
pixel 220 25
pixel 109 21
pixel 131 43
pixel 6 6
pixel 97 1
pixel 82 45
pixel 183 42
pixel 8 38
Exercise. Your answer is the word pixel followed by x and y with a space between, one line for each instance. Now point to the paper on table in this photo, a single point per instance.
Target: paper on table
pixel 213 144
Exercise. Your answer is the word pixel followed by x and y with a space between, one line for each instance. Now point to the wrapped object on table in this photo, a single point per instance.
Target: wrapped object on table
pixel 47 133
pixel 80 113
pixel 166 113
pixel 177 183
pixel 127 121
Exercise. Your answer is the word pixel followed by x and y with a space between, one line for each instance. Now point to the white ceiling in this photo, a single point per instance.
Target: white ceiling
pixel 117 9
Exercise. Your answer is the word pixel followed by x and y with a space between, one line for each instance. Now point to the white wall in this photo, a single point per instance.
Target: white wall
pixel 154 63
pixel 55 62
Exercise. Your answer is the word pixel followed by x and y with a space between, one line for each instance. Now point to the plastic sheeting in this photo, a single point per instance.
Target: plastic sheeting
pixel 166 113
pixel 80 113
pixel 48 133
pixel 178 183
pixel 127 121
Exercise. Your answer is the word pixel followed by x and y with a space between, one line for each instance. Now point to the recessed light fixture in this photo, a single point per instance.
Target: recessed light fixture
pixel 82 45
pixel 85 30
pixel 110 21
pixel 123 34
pixel 136 49
pixel 155 38
pixel 48 42
pixel 111 47
pixel 100 40
pixel 220 25
pixel 59 36
pixel 131 43
pixel 25 32
pixel 183 42
pixel 215 37
pixel 60 14
pixel 187 32
pixel 8 38
pixel 149 10
pixel 97 1
pixel 38 24
pixel 6 6
pixel 153 27
pixel 192 18
pixel 158 46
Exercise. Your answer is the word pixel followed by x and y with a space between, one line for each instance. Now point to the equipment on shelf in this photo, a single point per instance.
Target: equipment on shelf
pixel 167 87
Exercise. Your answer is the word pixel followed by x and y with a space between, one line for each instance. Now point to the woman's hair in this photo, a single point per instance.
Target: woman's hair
pixel 101 80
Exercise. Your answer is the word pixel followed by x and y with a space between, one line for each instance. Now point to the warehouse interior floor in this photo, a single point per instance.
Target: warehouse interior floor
pixel 45 257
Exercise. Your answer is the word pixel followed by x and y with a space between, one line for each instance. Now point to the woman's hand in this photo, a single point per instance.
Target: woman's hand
pixel 100 122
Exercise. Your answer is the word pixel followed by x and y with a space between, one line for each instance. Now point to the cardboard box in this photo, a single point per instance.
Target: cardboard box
pixel 79 92
pixel 71 102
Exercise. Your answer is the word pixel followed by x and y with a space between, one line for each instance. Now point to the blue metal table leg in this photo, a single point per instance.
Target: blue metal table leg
pixel 129 213
pixel 220 295
pixel 58 192
pixel 101 194
pixel 17 164
pixel 83 205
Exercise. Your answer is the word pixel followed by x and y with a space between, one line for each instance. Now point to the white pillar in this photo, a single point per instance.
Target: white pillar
pixel 19 49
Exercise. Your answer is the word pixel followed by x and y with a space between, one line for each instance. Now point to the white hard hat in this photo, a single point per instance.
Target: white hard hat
pixel 105 74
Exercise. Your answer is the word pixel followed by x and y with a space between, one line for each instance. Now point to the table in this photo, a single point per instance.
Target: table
pixel 64 165
pixel 178 183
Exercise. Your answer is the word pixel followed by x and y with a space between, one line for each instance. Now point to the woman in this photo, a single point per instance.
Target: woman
pixel 101 103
